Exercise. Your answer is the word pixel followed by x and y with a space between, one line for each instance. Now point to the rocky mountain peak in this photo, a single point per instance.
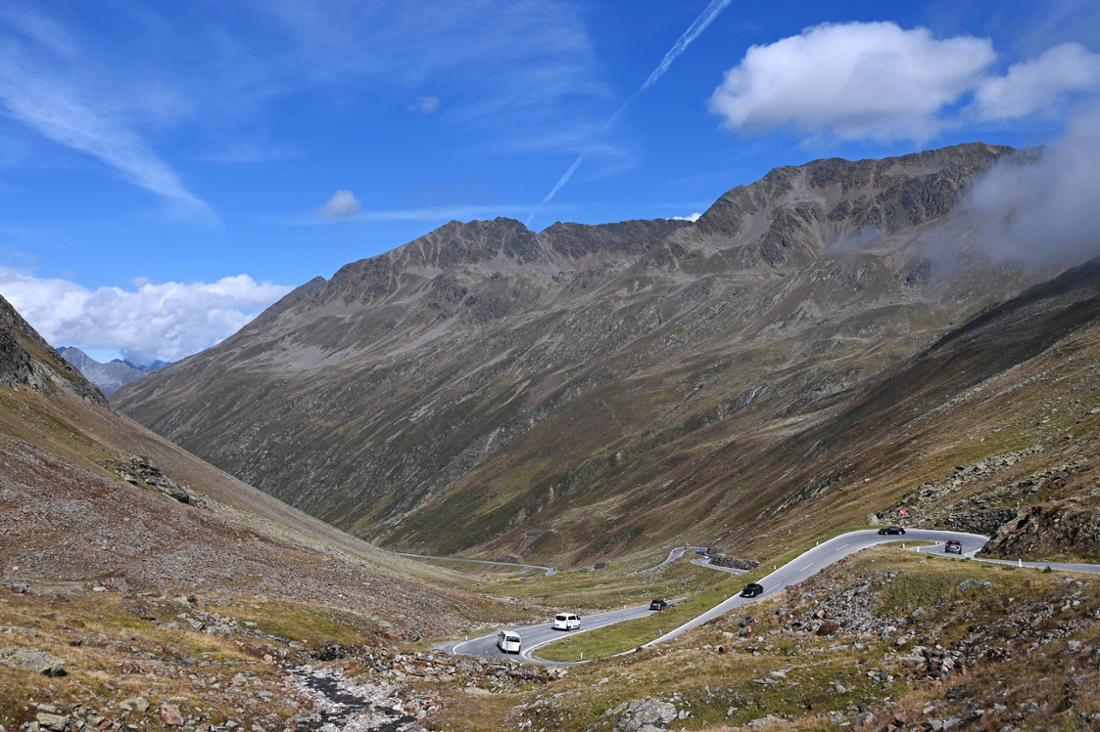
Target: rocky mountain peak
pixel 793 212
pixel 583 360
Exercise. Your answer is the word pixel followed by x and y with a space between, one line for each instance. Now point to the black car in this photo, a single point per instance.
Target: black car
pixel 752 589
pixel 953 547
pixel 658 605
pixel 891 531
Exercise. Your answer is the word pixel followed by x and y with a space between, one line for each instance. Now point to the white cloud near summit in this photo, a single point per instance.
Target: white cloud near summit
pixel 167 320
pixel 1039 85
pixel 883 82
pixel 1042 208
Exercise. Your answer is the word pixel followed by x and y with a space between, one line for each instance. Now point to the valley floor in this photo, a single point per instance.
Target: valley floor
pixel 886 639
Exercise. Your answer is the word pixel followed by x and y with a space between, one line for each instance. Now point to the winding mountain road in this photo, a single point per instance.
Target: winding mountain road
pixel 798 569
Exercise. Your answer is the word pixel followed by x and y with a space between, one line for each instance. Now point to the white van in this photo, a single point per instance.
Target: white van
pixel 566 621
pixel 508 642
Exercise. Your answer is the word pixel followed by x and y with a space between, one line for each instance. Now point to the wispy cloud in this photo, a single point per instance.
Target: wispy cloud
pixel 465 52
pixel 425 105
pixel 700 24
pixel 36 90
pixel 76 83
pixel 712 11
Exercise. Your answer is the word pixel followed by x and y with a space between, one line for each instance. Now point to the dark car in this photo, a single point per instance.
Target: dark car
pixel 891 531
pixel 953 547
pixel 702 552
pixel 752 589
pixel 658 605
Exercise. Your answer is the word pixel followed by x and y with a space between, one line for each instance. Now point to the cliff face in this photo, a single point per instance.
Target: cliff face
pixel 488 386
pixel 26 359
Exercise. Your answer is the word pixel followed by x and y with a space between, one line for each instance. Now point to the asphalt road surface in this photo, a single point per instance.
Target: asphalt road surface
pixel 802 567
pixel 535 636
pixel 674 555
pixel 813 561
pixel 1061 566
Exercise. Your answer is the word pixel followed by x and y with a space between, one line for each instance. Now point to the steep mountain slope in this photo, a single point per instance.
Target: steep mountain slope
pixel 107 377
pixel 997 419
pixel 558 393
pixel 78 506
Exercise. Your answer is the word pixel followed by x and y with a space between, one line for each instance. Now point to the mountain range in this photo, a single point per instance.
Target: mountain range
pixel 585 390
pixel 828 349
pixel 108 377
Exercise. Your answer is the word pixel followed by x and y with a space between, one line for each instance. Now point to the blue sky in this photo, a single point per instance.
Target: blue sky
pixel 167 170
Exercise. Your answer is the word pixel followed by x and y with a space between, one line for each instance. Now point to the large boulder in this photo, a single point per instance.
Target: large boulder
pixel 28 659
pixel 643 715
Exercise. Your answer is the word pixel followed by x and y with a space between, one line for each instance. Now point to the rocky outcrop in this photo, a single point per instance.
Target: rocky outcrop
pixel 37 662
pixel 1047 532
pixel 638 715
pixel 27 360
pixel 722 560
pixel 935 503
pixel 139 471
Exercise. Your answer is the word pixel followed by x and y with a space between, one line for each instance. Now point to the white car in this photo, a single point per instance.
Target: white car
pixel 508 642
pixel 566 621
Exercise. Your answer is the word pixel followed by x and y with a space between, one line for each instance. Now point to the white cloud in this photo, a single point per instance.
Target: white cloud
pixel 1043 209
pixel 168 320
pixel 1040 85
pixel 690 217
pixel 425 105
pixel 852 80
pixel 342 205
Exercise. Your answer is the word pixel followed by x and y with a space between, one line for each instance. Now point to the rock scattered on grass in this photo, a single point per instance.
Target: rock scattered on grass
pixel 38 662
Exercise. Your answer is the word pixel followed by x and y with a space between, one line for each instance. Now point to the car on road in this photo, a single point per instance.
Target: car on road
pixel 953 547
pixel 508 642
pixel 658 604
pixel 752 589
pixel 891 531
pixel 703 552
pixel 566 621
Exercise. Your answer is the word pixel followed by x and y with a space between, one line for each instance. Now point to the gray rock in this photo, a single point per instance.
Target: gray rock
pixel 643 715
pixel 38 662
pixel 975 584
pixel 53 722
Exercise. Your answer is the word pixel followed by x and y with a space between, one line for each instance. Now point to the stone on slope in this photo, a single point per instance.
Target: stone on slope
pixel 28 659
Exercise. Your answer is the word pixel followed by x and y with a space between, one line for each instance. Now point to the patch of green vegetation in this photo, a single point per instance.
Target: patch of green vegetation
pixel 631 634
pixel 615 586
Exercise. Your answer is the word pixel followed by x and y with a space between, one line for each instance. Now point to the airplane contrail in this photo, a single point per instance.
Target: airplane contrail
pixel 712 11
